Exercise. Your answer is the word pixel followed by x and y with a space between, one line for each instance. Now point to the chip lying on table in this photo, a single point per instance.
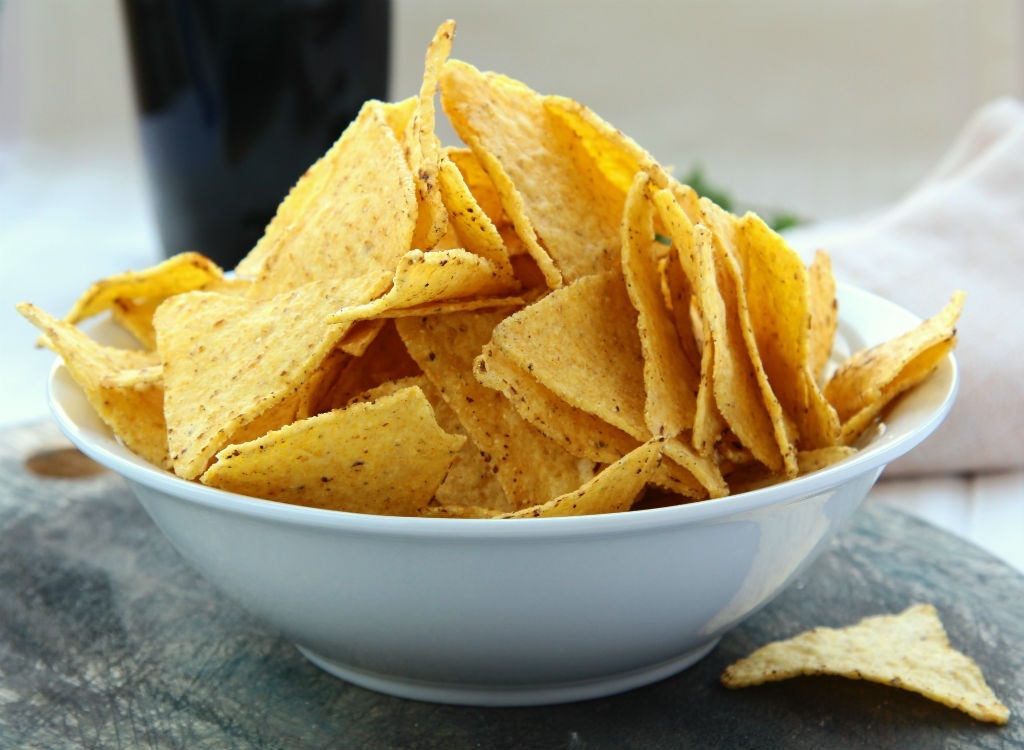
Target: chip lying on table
pixel 909 651
pixel 538 321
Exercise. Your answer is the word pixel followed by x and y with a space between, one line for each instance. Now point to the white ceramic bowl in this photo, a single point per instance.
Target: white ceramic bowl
pixel 517 612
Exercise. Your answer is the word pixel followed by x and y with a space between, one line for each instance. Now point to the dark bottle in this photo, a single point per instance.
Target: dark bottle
pixel 238 98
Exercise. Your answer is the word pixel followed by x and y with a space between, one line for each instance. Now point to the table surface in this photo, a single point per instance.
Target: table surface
pixel 108 639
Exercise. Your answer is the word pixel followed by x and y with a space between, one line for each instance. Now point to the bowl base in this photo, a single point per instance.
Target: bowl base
pixel 518 695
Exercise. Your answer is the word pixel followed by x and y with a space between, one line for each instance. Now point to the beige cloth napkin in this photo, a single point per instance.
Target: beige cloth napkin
pixel 963 228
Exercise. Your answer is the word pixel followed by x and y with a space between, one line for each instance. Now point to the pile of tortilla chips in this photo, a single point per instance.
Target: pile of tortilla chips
pixel 541 321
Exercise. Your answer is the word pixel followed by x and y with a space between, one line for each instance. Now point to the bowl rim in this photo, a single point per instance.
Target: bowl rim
pixel 934 399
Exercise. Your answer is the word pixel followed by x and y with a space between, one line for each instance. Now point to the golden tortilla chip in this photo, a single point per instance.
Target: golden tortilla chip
pixel 909 651
pixel 479 185
pixel 179 273
pixel 473 227
pixel 436 277
pixel 778 296
pixel 530 467
pixel 670 379
pixel 872 378
pixel 352 213
pixel 737 378
pixel 613 490
pixel 674 206
pixel 707 480
pixel 820 458
pixel 227 361
pixel 592 358
pixel 135 315
pixel 617 156
pixel 423 148
pixel 824 313
pixel 385 456
pixel 523 233
pixel 133 411
pixel 574 210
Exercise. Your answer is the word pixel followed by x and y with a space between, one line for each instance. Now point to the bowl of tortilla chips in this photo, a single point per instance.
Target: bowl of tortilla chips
pixel 518 421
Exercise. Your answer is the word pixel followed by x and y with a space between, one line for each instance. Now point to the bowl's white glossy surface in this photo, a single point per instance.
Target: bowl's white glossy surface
pixel 516 612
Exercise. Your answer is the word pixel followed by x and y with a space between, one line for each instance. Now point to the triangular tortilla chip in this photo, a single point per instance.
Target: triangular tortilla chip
pixel 670 378
pixel 909 651
pixel 872 378
pixel 824 313
pixel 134 410
pixel 352 213
pixel 739 381
pixel 613 490
pixel 214 388
pixel 435 277
pixel 472 225
pixel 706 474
pixel 479 185
pixel 574 210
pixel 179 273
pixel 385 456
pixel 592 358
pixel 778 294
pixel 675 205
pixel 423 147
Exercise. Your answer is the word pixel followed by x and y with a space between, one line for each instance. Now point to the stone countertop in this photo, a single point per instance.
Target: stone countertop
pixel 108 639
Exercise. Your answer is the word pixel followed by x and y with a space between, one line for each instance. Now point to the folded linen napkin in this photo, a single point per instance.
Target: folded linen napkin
pixel 962 228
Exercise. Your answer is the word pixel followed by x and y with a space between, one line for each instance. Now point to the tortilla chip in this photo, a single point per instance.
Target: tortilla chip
pixel 617 156
pixel 872 378
pixel 215 389
pixel 674 206
pixel 479 185
pixel 592 359
pixel 179 273
pixel 705 472
pixel 778 295
pixel 428 278
pixel 523 233
pixel 530 467
pixel 473 227
pixel 133 411
pixel 737 379
pixel 670 379
pixel 386 456
pixel 423 149
pixel 909 651
pixel 352 213
pixel 613 490
pixel 821 458
pixel 824 313
pixel 574 210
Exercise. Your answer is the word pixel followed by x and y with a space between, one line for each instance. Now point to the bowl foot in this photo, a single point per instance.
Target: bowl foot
pixel 515 695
